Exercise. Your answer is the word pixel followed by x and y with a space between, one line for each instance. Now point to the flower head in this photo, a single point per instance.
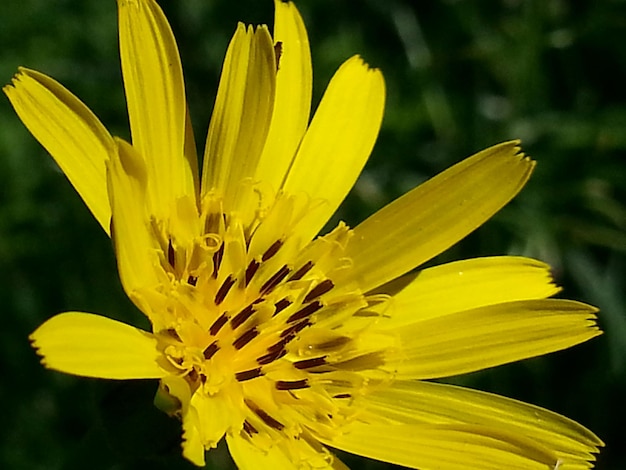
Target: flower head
pixel 283 343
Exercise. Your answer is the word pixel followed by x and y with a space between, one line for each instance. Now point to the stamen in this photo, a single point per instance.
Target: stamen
pixel 271 422
pixel 212 222
pixel 291 385
pixel 218 324
pixel 320 289
pixel 210 350
pixel 299 274
pixel 266 418
pixel 245 338
pixel 275 280
pixel 281 344
pixel 272 250
pixel 242 316
pixel 217 260
pixel 305 312
pixel 193 375
pixel 281 305
pixel 309 363
pixel 298 327
pixel 249 429
pixel 248 374
pixel 276 350
pixel 342 395
pixel 271 357
pixel 171 254
pixel 173 333
pixel 223 290
pixel 251 271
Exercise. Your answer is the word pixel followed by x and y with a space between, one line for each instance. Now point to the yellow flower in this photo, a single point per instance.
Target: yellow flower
pixel 283 343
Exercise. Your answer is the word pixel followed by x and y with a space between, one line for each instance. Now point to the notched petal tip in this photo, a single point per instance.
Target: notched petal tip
pixel 489 336
pixel 511 148
pixel 18 76
pixel 339 139
pixel 517 152
pixel 358 60
pixel 435 215
pixel 37 347
pixel 10 87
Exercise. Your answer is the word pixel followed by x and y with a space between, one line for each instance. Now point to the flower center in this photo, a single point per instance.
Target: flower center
pixel 254 319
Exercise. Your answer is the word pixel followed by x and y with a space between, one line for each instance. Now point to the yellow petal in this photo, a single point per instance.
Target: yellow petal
pixel 444 447
pixel 200 431
pixel 155 96
pixel 293 95
pixel 135 247
pixel 70 132
pixel 339 140
pixel 193 450
pixel 436 215
pixel 305 453
pixel 94 346
pixel 242 114
pixel 431 403
pixel 249 457
pixel 489 336
pixel 211 416
pixel 173 395
pixel 468 284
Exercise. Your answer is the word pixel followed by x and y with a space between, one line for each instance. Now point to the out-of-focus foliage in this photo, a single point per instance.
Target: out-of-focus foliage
pixel 461 75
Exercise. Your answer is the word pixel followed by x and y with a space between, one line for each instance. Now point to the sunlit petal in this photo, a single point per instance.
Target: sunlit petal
pixel 242 114
pixel 70 132
pixel 489 336
pixel 94 346
pixel 465 285
pixel 445 447
pixel 249 457
pixel 431 403
pixel 339 140
pixel 293 95
pixel 437 214
pixel 135 247
pixel 155 96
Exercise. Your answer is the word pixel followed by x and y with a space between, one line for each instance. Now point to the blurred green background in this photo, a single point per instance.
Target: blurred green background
pixel 461 75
